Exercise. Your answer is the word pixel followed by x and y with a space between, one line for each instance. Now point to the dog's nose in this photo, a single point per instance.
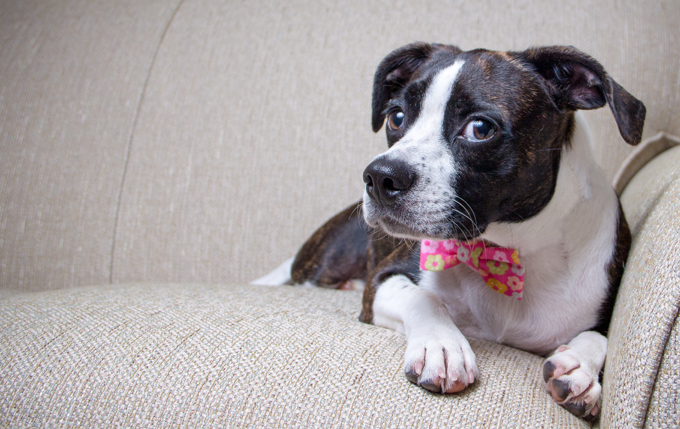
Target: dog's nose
pixel 386 180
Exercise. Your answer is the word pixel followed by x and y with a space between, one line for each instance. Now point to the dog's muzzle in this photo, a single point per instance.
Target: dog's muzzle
pixel 387 180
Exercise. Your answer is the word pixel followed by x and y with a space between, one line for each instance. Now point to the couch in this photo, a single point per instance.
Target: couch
pixel 157 155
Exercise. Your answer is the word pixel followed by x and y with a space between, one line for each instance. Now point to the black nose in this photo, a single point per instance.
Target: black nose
pixel 387 180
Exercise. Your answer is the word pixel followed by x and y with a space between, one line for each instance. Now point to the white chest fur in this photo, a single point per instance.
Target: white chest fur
pixel 565 250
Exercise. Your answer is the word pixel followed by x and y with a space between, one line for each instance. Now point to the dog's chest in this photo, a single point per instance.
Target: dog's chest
pixel 550 313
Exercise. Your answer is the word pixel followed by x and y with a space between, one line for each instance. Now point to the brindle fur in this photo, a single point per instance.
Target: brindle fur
pixel 343 249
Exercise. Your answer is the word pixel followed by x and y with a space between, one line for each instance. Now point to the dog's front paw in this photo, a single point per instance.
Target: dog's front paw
pixel 573 383
pixel 440 364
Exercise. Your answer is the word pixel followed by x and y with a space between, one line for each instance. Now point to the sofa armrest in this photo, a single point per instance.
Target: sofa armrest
pixel 642 337
pixel 663 408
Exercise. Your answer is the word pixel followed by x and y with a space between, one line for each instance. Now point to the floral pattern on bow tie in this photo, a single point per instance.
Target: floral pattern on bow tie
pixel 499 267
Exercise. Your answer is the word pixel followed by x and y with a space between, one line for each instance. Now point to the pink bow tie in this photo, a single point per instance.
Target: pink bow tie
pixel 499 267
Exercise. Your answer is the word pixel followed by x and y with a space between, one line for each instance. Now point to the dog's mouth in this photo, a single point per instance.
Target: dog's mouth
pixel 396 229
pixel 414 224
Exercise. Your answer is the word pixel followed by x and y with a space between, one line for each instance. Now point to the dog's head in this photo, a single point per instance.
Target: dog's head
pixel 475 137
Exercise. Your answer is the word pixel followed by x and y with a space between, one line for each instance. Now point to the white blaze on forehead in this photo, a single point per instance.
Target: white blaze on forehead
pixel 425 135
pixel 424 141
pixel 431 117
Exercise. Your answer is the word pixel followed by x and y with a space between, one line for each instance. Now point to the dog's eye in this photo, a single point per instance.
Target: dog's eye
pixel 395 120
pixel 479 130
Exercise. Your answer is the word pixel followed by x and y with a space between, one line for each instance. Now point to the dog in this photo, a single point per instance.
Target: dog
pixel 487 216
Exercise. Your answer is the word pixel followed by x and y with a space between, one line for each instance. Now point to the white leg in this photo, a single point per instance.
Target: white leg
pixel 572 374
pixel 438 357
pixel 280 275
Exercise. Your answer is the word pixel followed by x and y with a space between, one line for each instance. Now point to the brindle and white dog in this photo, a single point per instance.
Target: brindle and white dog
pixel 486 147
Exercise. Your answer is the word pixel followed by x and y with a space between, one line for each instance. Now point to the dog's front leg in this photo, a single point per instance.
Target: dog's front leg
pixel 438 357
pixel 572 374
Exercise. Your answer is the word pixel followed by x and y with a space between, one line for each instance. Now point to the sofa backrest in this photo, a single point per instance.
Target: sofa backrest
pixel 203 141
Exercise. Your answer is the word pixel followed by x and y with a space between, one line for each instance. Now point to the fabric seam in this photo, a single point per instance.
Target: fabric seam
pixel 659 363
pixel 132 136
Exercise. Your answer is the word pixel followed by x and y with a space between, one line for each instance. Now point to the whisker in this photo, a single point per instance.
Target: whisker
pixel 355 210
pixel 470 211
pixel 468 208
pixel 458 227
pixel 414 250
pixel 466 214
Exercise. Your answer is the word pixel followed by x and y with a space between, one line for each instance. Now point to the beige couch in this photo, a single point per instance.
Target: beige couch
pixel 156 155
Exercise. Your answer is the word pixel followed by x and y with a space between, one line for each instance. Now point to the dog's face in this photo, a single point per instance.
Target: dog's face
pixel 475 137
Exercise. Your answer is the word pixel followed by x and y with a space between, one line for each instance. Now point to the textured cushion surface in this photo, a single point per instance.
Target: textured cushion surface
pixel 648 300
pixel 237 356
pixel 72 73
pixel 664 407
pixel 648 187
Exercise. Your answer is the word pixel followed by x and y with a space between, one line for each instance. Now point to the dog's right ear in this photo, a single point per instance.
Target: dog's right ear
pixel 394 72
pixel 577 81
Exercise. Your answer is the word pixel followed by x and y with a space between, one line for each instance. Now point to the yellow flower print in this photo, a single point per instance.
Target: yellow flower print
pixel 434 263
pixel 497 267
pixel 515 256
pixel 496 285
pixel 475 256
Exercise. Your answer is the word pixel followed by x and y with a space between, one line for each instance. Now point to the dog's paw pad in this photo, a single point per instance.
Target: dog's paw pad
pixel 560 390
pixel 575 408
pixel 572 385
pixel 562 362
pixel 413 371
pixel 585 410
pixel 432 386
pixel 457 386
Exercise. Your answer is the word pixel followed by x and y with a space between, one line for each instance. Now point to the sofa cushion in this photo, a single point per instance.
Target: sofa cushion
pixel 642 195
pixel 648 300
pixel 152 355
pixel 664 407
pixel 72 74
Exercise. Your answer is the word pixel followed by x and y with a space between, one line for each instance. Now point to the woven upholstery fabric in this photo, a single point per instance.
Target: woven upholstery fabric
pixel 72 74
pixel 664 408
pixel 648 300
pixel 646 151
pixel 650 184
pixel 237 356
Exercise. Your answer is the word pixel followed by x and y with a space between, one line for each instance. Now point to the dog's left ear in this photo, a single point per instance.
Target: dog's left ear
pixel 577 81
